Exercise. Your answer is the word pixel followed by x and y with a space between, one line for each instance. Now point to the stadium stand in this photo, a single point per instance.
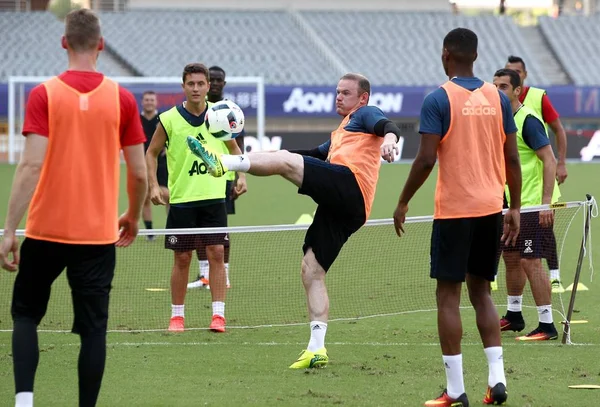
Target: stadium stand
pixel 580 62
pixel 31 46
pixel 265 43
pixel 296 47
pixel 404 48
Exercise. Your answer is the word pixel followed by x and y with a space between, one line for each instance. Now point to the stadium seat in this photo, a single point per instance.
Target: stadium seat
pixel 580 62
pixel 245 43
pixel 404 48
pixel 31 46
pixel 290 48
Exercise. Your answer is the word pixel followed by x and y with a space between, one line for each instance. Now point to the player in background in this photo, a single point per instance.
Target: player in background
pixel 197 200
pixel 342 184
pixel 149 118
pixel 215 94
pixel 538 100
pixel 468 125
pixel 524 260
pixel 75 124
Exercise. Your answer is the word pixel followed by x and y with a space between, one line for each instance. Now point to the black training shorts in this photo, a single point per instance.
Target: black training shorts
pixel 90 271
pixel 534 241
pixel 340 211
pixel 465 245
pixel 208 216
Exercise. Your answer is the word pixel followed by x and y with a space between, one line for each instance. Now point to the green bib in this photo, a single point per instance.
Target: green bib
pixel 533 100
pixel 532 168
pixel 189 180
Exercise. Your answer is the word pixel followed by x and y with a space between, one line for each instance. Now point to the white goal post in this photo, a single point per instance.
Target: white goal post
pixel 17 100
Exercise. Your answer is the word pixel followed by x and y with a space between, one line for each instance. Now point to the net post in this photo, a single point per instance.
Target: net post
pixel 586 229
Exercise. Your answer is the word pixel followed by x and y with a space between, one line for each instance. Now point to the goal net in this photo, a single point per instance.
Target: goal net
pixel 377 274
pixel 247 92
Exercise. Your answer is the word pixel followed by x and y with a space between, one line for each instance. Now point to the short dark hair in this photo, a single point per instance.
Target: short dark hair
pixel 461 43
pixel 515 79
pixel 195 68
pixel 148 92
pixel 218 69
pixel 82 30
pixel 513 59
pixel 363 82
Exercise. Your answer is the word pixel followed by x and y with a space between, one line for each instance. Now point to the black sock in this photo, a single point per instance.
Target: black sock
pixel 148 224
pixel 92 358
pixel 26 354
pixel 547 326
pixel 514 315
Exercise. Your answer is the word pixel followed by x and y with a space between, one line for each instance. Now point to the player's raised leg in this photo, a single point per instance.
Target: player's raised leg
pixel 288 165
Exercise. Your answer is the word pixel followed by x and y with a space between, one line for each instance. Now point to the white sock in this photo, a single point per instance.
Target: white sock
pixel 496 365
pixel 555 274
pixel 545 314
pixel 177 310
pixel 24 399
pixel 455 384
pixel 219 308
pixel 318 330
pixel 203 267
pixel 227 272
pixel 239 163
pixel 515 303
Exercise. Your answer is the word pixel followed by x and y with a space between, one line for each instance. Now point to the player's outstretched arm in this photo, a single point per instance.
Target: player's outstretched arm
pixel 419 172
pixel 26 180
pixel 157 145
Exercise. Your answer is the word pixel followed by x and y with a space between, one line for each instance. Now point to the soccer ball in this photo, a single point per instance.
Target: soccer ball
pixel 224 120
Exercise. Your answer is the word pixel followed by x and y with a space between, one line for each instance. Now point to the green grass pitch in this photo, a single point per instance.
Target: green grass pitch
pixel 386 360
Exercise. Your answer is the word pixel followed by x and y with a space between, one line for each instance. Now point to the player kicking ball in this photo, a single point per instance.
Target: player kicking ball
pixel 341 178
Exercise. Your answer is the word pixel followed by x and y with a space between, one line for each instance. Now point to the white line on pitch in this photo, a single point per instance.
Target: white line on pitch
pixel 374 344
